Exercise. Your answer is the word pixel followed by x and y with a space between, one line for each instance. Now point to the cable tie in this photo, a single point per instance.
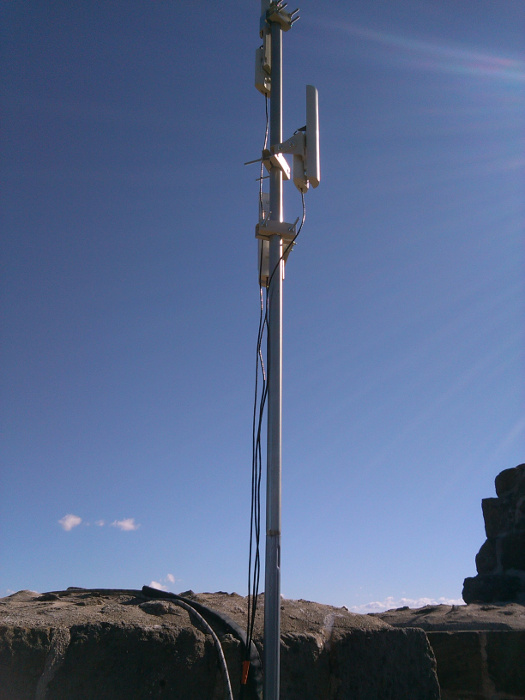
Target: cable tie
pixel 245 671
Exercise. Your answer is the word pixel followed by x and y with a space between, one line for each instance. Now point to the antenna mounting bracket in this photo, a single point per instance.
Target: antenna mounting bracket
pixel 268 228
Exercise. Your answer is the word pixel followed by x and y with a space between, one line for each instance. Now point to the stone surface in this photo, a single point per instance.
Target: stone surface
pixel 108 644
pixel 479 649
pixel 459 662
pixel 500 562
pixel 512 554
pixel 457 618
pixel 486 558
pixel 510 480
pixel 489 588
pixel 496 515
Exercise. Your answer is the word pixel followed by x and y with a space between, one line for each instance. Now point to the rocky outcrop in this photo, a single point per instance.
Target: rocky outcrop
pixel 479 649
pixel 114 645
pixel 500 562
pixel 480 665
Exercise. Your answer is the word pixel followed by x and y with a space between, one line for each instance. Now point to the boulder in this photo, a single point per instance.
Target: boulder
pixel 492 588
pixel 500 562
pixel 126 644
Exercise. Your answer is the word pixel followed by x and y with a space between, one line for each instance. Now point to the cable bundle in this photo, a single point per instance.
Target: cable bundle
pixel 260 397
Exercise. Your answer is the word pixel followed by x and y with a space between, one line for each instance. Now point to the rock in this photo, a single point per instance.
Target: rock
pixel 458 618
pixel 121 644
pixel 512 555
pixel 500 562
pixel 510 480
pixel 486 558
pixel 479 649
pixel 497 517
pixel 491 588
pixel 481 665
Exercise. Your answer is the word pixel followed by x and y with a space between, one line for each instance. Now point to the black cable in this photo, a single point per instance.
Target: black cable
pixel 260 397
pixel 260 394
pixel 265 145
pixel 255 524
pixel 290 244
pixel 222 621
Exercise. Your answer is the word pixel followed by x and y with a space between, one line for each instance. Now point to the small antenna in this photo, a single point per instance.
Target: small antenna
pixel 312 165
pixel 304 146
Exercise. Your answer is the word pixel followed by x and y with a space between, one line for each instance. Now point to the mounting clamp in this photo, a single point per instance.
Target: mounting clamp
pixel 268 228
pixel 264 231
pixel 276 160
pixel 296 146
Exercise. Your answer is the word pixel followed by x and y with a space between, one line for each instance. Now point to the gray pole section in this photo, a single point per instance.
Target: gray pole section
pixel 272 592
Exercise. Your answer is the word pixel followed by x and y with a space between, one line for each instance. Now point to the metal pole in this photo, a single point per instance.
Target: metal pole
pixel 272 593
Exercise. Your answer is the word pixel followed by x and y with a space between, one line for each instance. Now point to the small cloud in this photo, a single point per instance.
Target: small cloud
pixel 69 521
pixel 100 523
pixel 391 603
pixel 163 584
pixel 158 586
pixel 126 525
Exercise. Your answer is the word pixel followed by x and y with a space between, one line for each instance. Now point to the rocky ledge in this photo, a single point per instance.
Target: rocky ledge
pixel 127 644
pixel 479 649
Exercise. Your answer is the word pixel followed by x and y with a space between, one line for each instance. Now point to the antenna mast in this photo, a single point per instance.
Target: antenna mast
pixel 272 589
pixel 272 231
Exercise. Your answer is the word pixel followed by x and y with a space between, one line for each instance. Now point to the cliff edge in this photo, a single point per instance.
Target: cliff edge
pixel 126 644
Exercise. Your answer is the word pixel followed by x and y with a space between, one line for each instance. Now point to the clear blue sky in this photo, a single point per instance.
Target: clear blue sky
pixel 130 297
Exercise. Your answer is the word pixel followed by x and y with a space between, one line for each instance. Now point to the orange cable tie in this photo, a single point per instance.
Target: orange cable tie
pixel 245 670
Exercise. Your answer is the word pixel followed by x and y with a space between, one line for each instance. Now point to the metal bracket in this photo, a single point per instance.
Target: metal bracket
pixel 268 228
pixel 276 160
pixel 273 160
pixel 295 145
pixel 263 232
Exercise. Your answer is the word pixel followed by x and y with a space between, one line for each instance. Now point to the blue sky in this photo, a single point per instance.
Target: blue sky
pixel 130 299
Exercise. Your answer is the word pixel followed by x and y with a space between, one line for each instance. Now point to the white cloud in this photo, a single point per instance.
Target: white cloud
pixel 158 586
pixel 391 603
pixel 69 521
pixel 163 584
pixel 126 525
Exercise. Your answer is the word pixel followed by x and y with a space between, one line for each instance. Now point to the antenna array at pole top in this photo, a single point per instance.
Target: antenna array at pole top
pixel 276 12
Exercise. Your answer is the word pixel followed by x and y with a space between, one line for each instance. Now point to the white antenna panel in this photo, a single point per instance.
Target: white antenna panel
pixel 263 66
pixel 312 165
